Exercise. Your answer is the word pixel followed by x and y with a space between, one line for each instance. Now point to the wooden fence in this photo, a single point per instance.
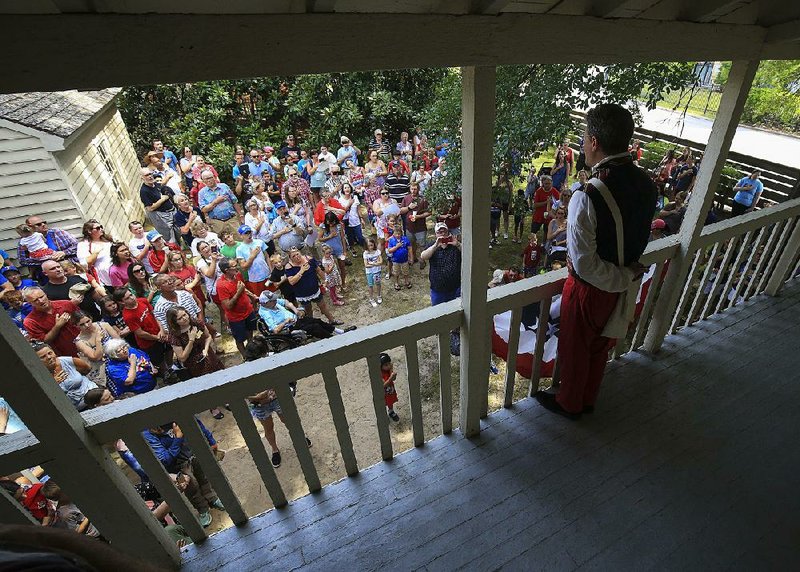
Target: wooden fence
pixel 781 182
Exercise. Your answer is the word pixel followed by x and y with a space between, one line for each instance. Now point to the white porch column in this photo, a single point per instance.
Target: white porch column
pixel 77 462
pixel 477 108
pixel 730 110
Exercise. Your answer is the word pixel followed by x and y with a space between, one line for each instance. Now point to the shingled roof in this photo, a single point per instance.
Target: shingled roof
pixel 58 113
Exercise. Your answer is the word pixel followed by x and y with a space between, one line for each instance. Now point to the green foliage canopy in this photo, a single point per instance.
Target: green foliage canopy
pixel 534 103
pixel 213 117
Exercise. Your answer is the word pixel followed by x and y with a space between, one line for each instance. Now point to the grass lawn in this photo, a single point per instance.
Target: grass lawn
pixel 703 103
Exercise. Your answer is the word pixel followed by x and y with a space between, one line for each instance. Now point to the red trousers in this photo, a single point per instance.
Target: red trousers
pixel 582 350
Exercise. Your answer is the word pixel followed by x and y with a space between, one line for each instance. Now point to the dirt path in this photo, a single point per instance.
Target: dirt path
pixel 314 409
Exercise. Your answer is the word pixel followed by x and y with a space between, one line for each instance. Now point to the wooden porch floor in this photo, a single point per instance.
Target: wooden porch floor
pixel 690 462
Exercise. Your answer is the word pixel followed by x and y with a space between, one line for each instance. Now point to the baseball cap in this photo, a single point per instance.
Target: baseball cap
pixel 268 148
pixel 344 139
pixel 394 163
pixel 244 229
pixel 9 268
pixel 280 205
pixel 378 131
pixel 439 226
pixel 153 235
pixel 497 276
pixel 266 297
pixel 658 224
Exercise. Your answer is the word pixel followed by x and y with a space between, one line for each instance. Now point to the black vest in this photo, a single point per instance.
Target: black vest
pixel 635 194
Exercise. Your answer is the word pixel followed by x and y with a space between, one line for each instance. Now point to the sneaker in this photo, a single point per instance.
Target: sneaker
pixel 380 300
pixel 217 504
pixel 490 246
pixel 308 442
pixel 505 236
pixel 205 519
pixel 394 416
pixel 373 302
pixel 349 328
pixel 293 388
pixel 388 275
pixel 276 459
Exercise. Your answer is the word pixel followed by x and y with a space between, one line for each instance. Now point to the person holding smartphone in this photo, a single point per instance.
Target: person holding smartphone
pixel 444 261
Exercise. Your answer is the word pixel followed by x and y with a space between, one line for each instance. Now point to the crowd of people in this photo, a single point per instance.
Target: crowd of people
pixel 113 317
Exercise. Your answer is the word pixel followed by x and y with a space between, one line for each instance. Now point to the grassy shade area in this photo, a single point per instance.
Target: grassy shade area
pixel 702 101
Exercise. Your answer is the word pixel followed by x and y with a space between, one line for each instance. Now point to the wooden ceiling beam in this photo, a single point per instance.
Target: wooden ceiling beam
pixel 708 10
pixel 488 7
pixel 616 8
pixel 95 51
pixel 786 32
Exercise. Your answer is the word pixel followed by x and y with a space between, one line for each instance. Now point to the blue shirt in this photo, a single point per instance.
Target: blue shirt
pixel 401 254
pixel 225 209
pixel 171 160
pixel 173 451
pixel 273 317
pixel 14 422
pixel 117 373
pixel 259 269
pixel 745 197
pixel 257 170
pixel 349 152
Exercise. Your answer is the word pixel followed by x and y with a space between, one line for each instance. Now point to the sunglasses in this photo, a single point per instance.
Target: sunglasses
pixel 44 222
pixel 385 194
pixel 98 227
pixel 137 270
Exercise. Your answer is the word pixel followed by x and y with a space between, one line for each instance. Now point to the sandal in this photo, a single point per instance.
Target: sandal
pixel 408 286
pixel 397 287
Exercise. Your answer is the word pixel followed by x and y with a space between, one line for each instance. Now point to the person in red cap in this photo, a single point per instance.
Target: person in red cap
pixel 618 192
pixel 657 229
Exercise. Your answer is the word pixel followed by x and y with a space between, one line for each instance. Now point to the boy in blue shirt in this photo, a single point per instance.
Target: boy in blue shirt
pixel 397 248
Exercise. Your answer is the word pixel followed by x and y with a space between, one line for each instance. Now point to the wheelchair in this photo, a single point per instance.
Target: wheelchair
pixel 281 341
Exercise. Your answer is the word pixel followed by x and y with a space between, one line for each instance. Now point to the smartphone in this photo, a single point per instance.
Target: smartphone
pixel 215 249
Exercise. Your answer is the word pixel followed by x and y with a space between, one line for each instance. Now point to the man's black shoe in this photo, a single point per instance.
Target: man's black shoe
pixel 548 401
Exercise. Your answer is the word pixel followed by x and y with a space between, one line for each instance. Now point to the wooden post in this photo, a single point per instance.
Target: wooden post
pixel 477 104
pixel 85 472
pixel 719 142
pixel 785 262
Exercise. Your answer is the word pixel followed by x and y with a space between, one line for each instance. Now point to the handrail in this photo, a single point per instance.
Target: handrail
pixel 20 450
pixel 537 288
pixel 237 382
pixel 736 226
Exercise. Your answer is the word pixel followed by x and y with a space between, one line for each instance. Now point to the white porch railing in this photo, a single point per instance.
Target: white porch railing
pixel 724 248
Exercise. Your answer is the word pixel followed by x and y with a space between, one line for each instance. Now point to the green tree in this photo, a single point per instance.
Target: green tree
pixel 534 105
pixel 213 117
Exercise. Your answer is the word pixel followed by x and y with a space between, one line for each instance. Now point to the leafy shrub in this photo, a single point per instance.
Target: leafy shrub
pixel 774 108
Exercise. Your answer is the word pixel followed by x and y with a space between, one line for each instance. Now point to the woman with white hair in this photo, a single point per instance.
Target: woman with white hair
pixel 128 370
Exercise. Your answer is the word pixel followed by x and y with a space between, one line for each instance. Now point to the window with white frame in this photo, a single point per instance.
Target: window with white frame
pixel 111 170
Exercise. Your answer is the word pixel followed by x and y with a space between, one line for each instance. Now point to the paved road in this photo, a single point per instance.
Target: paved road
pixel 754 142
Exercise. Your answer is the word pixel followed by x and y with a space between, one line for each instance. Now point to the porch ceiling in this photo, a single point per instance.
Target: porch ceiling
pixel 64 44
